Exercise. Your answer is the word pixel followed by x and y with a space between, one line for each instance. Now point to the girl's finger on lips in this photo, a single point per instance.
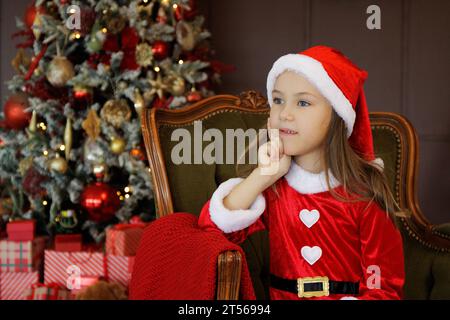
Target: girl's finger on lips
pixel 280 147
pixel 274 150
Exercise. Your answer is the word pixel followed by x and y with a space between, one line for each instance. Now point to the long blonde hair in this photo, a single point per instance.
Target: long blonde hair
pixel 360 179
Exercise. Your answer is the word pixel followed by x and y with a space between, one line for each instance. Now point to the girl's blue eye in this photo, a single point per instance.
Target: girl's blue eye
pixel 303 103
pixel 277 100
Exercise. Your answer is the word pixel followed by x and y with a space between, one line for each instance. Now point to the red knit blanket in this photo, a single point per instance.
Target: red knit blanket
pixel 176 260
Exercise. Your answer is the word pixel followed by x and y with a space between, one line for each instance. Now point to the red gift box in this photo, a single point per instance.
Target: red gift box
pixel 14 285
pixel 120 269
pixel 68 269
pixel 68 242
pixel 22 256
pixel 23 230
pixel 40 291
pixel 123 239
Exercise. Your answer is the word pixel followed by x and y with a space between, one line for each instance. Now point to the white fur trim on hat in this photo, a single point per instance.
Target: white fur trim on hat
pixel 315 73
pixel 233 220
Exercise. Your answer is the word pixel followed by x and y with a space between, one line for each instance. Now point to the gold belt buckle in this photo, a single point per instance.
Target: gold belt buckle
pixel 301 287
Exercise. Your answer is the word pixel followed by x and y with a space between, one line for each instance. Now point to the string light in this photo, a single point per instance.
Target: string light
pixel 127 189
pixel 157 69
pixel 72 11
pixel 118 193
pixel 180 61
pixel 127 196
pixel 45 152
pixel 104 30
pixel 62 147
pixel 121 198
pixel 44 202
pixel 175 6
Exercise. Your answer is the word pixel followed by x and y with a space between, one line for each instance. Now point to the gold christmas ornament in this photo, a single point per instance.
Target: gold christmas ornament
pixel 158 86
pixel 145 8
pixel 32 125
pixel 60 70
pixel 185 35
pixel 117 145
pixel 68 138
pixel 58 164
pixel 116 112
pixel 144 54
pixel 139 103
pixel 24 165
pixel 20 60
pixel 37 25
pixel 92 125
pixel 177 85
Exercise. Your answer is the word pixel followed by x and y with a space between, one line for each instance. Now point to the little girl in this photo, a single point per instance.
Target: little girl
pixel 317 188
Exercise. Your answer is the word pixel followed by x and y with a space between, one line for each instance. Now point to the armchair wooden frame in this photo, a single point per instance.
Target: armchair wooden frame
pixel 230 263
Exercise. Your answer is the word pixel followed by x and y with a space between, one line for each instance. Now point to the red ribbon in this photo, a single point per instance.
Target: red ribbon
pixel 35 62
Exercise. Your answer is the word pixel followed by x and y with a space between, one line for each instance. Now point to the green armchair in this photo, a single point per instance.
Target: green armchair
pixel 186 188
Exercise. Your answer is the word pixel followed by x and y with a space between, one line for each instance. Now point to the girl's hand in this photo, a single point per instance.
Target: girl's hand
pixel 272 162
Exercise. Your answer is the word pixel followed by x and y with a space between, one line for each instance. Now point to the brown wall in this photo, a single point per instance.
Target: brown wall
pixel 407 61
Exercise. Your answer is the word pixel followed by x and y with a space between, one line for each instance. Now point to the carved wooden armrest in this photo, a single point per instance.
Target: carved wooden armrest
pixel 229 275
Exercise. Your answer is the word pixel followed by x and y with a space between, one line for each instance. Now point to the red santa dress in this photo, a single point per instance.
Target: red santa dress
pixel 312 235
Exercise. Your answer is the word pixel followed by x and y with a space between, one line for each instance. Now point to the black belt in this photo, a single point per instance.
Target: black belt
pixel 314 286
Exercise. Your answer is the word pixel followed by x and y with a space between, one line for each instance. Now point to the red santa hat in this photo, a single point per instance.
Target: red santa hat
pixel 340 82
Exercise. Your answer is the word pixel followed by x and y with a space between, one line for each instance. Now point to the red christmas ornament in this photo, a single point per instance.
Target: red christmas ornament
pixel 30 14
pixel 100 201
pixel 138 153
pixel 194 96
pixel 160 50
pixel 15 115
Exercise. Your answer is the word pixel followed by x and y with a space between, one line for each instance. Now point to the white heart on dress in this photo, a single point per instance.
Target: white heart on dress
pixel 311 254
pixel 309 218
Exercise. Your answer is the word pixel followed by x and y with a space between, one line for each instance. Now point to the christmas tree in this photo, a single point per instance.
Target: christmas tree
pixel 71 154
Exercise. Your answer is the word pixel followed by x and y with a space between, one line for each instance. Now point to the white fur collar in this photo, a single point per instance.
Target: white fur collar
pixel 307 182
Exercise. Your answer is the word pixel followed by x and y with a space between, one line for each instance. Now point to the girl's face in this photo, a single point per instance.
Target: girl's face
pixel 301 114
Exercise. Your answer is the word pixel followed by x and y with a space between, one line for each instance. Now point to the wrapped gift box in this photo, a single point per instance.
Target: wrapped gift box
pixel 120 269
pixel 40 291
pixel 22 256
pixel 23 230
pixel 14 285
pixel 68 242
pixel 123 239
pixel 68 268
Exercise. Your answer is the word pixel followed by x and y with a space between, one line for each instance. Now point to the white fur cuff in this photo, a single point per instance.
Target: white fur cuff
pixel 233 220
